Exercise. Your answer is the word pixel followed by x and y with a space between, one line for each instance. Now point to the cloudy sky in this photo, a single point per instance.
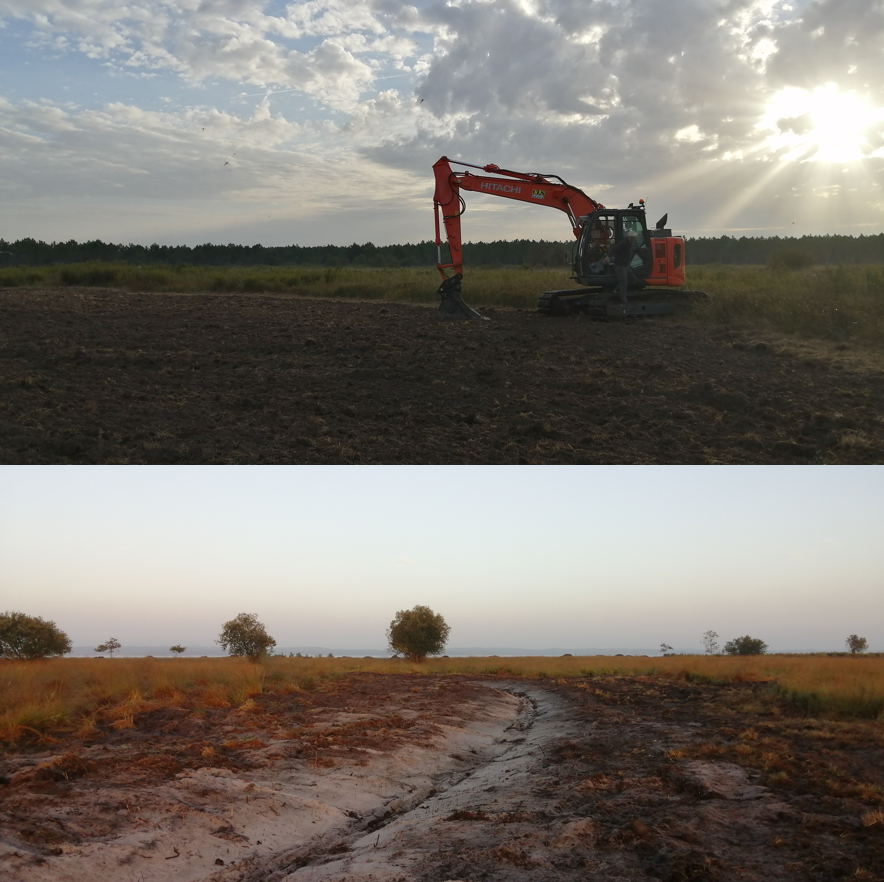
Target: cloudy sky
pixel 317 121
pixel 536 558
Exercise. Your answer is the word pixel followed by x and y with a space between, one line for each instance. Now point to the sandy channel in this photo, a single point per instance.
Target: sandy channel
pixel 501 787
pixel 214 823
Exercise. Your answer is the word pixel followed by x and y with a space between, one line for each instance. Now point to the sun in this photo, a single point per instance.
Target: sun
pixel 820 125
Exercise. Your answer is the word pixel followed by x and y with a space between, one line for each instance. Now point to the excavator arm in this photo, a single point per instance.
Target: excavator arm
pixel 538 189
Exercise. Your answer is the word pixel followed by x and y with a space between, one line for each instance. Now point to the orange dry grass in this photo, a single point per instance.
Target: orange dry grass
pixel 846 685
pixel 76 694
pixel 80 695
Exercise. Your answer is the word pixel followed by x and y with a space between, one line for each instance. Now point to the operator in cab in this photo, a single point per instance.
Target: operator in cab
pixel 621 256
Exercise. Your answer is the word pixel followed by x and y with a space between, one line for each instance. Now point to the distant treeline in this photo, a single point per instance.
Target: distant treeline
pixel 722 249
pixel 820 249
pixel 29 252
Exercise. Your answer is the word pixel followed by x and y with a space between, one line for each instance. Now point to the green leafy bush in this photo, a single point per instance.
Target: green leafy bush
pixel 30 637
pixel 417 633
pixel 245 635
pixel 745 646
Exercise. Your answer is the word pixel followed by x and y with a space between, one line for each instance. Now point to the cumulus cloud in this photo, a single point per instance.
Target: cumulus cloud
pixel 611 83
pixel 232 40
pixel 832 41
pixel 198 153
pixel 631 95
pixel 690 98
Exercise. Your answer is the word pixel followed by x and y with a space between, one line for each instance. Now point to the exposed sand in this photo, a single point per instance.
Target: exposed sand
pixel 182 830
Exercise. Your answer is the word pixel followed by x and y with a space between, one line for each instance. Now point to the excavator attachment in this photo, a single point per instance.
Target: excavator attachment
pixel 451 305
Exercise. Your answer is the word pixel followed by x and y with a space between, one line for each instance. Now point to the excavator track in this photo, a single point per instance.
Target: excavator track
pixel 602 303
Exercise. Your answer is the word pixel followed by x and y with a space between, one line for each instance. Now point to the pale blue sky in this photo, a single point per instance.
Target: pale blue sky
pixel 527 557
pixel 317 121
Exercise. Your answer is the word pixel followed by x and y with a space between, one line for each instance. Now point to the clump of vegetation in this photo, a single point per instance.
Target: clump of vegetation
pixel 417 633
pixel 856 644
pixel 177 649
pixel 745 646
pixel 246 636
pixel 110 646
pixel 30 637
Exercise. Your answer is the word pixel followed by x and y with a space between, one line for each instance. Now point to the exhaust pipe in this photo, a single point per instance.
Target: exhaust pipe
pixel 451 305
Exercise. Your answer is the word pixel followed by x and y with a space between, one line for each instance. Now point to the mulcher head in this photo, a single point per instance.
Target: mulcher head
pixel 451 305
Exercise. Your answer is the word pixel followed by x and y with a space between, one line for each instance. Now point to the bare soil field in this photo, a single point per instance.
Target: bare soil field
pixel 427 778
pixel 102 376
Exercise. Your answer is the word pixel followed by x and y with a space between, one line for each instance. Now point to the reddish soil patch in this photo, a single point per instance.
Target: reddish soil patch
pixel 98 376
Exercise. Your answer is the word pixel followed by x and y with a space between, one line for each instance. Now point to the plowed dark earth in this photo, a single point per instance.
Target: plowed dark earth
pixel 598 779
pixel 102 376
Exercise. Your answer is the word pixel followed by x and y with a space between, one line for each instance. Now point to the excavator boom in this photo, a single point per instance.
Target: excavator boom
pixel 548 190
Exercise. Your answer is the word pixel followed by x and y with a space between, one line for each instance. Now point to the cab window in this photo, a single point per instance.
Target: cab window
pixel 635 225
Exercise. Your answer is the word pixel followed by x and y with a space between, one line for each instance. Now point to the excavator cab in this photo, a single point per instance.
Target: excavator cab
pixel 658 263
pixel 601 230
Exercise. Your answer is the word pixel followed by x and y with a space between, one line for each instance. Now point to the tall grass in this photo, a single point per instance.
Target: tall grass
pixel 833 303
pixel 492 287
pixel 57 695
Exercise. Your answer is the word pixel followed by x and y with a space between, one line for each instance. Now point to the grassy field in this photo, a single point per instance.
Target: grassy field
pixel 76 695
pixel 832 303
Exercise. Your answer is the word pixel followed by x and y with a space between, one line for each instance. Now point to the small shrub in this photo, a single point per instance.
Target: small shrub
pixel 417 633
pixel 745 646
pixel 30 637
pixel 245 635
pixel 856 644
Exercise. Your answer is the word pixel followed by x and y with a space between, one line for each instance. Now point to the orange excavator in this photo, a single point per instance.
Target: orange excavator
pixel 658 261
